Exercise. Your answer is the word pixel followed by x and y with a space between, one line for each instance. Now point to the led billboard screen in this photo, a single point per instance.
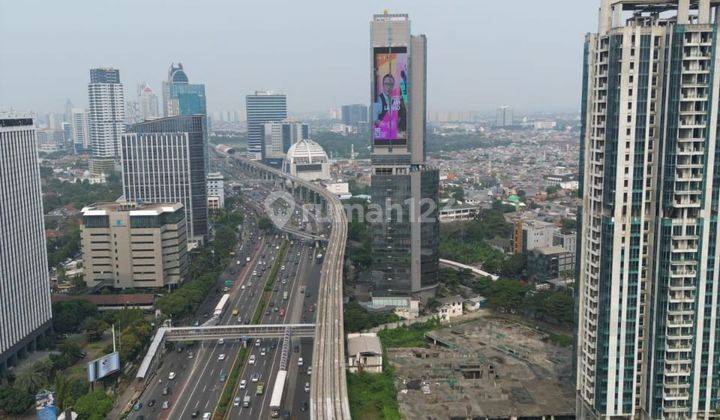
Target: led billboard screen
pixel 391 96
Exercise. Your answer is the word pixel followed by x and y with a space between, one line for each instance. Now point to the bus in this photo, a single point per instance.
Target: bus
pixel 277 394
pixel 221 305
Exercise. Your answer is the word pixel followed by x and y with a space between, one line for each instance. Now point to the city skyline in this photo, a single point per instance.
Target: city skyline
pixel 478 40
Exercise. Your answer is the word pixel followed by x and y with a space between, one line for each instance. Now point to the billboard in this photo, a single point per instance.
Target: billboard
pixel 45 407
pixel 104 366
pixel 390 81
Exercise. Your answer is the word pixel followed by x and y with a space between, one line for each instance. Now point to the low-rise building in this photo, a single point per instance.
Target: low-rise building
pixel 364 353
pixel 215 191
pixel 531 234
pixel 550 263
pixel 450 307
pixel 127 245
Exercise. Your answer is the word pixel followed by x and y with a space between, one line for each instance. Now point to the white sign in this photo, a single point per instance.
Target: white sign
pixel 104 366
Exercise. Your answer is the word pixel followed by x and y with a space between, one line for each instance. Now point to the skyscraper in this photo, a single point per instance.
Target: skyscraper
pixel 148 101
pixel 262 107
pixel 164 161
pixel 504 117
pixel 405 240
pixel 25 312
pixel 648 330
pixel 80 130
pixel 354 114
pixel 278 136
pixel 180 97
pixel 106 118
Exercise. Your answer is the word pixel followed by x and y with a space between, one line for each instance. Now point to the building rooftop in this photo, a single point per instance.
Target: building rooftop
pixel 135 209
pixel 551 250
pixel 367 343
pixel 451 299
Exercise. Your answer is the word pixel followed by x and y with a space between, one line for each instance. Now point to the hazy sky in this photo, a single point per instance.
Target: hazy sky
pixel 481 53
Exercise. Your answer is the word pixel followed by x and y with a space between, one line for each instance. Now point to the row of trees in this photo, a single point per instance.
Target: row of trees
pixel 81 193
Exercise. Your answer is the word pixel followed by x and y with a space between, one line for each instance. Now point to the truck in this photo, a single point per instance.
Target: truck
pixel 260 388
pixel 285 295
pixel 246 401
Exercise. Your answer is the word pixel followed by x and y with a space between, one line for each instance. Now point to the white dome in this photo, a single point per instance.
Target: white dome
pixel 306 152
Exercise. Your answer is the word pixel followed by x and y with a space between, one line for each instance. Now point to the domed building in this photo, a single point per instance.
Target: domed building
pixel 307 160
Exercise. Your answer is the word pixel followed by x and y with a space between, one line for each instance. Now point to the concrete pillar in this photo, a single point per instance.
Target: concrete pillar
pixel 704 11
pixel 683 17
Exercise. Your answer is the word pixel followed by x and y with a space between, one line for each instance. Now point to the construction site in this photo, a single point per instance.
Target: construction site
pixel 487 368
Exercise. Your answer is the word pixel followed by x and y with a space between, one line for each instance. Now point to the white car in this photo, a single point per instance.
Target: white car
pixel 251 360
pixel 221 341
pixel 262 352
pixel 307 386
pixel 236 403
pixel 243 384
pixel 242 287
pixel 257 342
pixel 171 376
pixel 255 377
pixel 221 357
pixel 300 361
pixel 206 416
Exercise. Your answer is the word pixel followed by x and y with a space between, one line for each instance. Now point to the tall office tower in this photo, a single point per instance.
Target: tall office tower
pixel 354 114
pixel 164 161
pixel 25 312
pixel 648 334
pixel 106 118
pixel 278 136
pixel 262 107
pixel 179 96
pixel 80 130
pixel 148 100
pixel 405 240
pixel 504 117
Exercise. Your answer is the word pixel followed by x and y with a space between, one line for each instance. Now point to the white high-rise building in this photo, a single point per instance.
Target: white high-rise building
pixel 215 191
pixel 106 117
pixel 648 307
pixel 149 105
pixel 262 107
pixel 25 312
pixel 80 130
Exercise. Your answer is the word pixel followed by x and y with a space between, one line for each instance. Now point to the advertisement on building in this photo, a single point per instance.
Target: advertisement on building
pixel 45 407
pixel 391 96
pixel 104 366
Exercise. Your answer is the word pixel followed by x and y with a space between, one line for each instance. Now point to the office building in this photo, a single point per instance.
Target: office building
pixel 180 97
pixel 164 161
pixel 531 234
pixel 307 160
pixel 215 191
pixel 504 117
pixel 550 263
pixel 148 100
pixel 106 118
pixel 80 130
pixel 404 243
pixel 128 245
pixel 278 136
pixel 262 107
pixel 25 312
pixel 354 114
pixel 648 331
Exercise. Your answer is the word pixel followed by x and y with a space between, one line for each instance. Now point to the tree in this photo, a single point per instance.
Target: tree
pixel 29 381
pixel 67 391
pixel 264 223
pixel 94 329
pixel 508 295
pixel 93 406
pixel 514 265
pixel 552 190
pixel 69 316
pixel 15 402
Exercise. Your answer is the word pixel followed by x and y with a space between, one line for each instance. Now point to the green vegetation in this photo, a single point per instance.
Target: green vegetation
pixel 373 396
pixel 230 384
pixel 93 406
pixel 61 193
pixel 357 318
pixel 14 402
pixel 562 340
pixel 265 224
pixel 339 145
pixel 205 268
pixel 64 246
pixel 568 225
pixel 455 142
pixel 69 316
pixel 408 336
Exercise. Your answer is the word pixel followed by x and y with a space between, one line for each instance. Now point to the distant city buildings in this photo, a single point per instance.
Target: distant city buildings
pixel 354 114
pixel 404 247
pixel 25 312
pixel 307 160
pixel 128 245
pixel 148 100
pixel 164 161
pixel 80 130
pixel 262 107
pixel 648 290
pixel 215 191
pixel 504 117
pixel 278 136
pixel 180 97
pixel 106 118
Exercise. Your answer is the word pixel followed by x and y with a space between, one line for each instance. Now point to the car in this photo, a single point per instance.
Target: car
pixel 296 349
pixel 206 416
pixel 166 390
pixel 221 341
pixel 303 406
pixel 223 376
pixel 138 406
pixel 263 351
pixel 284 281
pixel 196 323
pixel 166 405
pixel 190 355
pixel 307 386
pixel 171 376
pixel 267 312
pixel 300 361
pixel 195 414
pixel 255 377
pixel 273 346
pixel 236 402
pixel 246 401
pixel 243 384
pixel 258 342
pixel 309 370
pixel 151 403
pixel 221 357
pixel 242 287
pixel 282 268
pixel 260 388
pixel 251 360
